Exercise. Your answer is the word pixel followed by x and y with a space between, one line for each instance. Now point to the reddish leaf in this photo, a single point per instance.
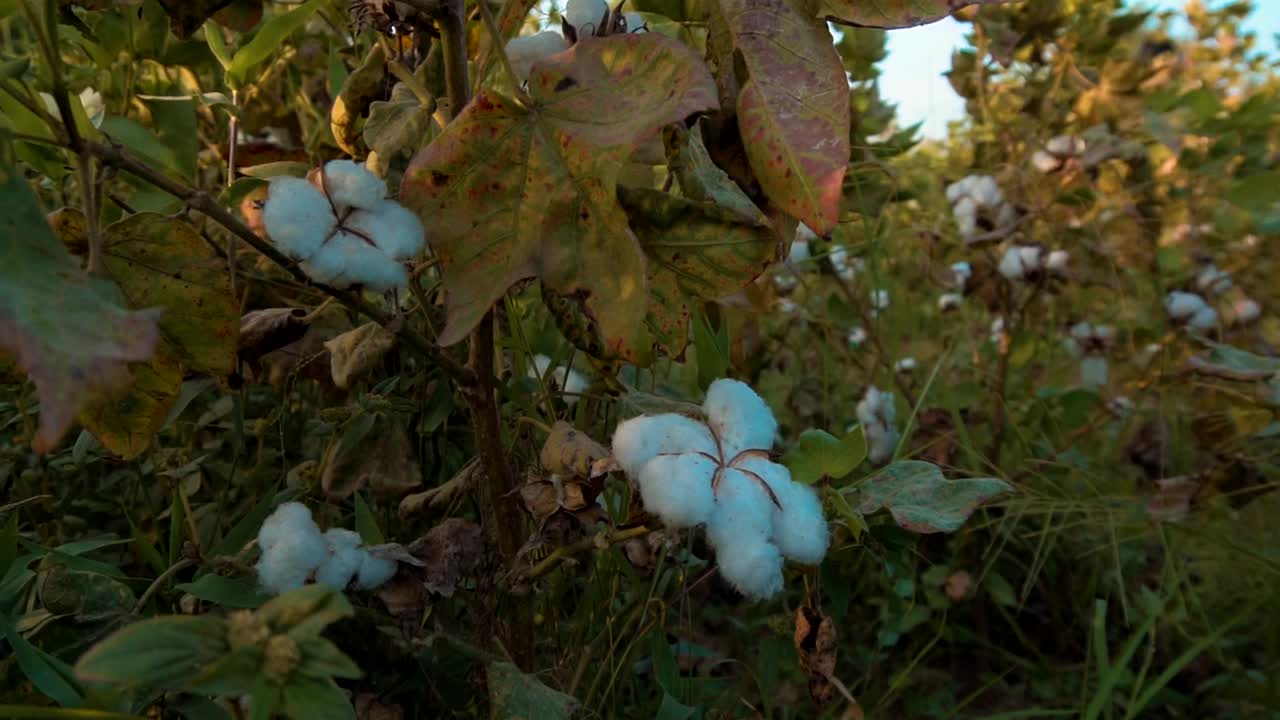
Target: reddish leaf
pixel 793 109
pixel 511 191
pixel 893 13
pixel 67 330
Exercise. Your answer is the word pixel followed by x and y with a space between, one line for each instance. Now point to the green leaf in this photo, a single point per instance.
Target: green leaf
pixel 141 140
pixel 270 36
pixel 162 652
pixel 367 524
pixel 922 500
pixel 89 596
pixel 399 125
pixel 672 709
pixel 893 13
pixel 225 591
pixel 213 36
pixel 323 659
pixel 66 330
pixel 548 209
pixel 304 612
pixel 514 695
pixel 793 107
pixel 8 543
pixel 11 69
pixel 695 251
pixel 713 350
pixel 49 674
pixel 702 180
pixel 309 698
pixel 819 454
pixel 33 712
pixel 1233 363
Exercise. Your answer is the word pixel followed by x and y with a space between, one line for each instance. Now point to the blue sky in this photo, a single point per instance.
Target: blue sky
pixel 912 73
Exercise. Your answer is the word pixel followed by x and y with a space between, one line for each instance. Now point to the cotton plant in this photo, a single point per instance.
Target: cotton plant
pixel 718 473
pixel 1191 310
pixel 978 205
pixel 295 551
pixel 342 228
pixel 997 330
pixel 879 416
pixel 570 382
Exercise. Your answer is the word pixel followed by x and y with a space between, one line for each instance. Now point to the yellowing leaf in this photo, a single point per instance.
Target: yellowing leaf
pixel 793 108
pixel 126 418
pixel 893 13
pixel 66 330
pixel 509 192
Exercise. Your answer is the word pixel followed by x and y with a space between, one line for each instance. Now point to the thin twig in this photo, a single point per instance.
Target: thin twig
pixel 159 582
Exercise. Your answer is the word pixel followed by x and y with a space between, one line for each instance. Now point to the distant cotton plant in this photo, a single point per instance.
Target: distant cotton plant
pixel 878 416
pixel 718 473
pixel 976 200
pixel 1021 262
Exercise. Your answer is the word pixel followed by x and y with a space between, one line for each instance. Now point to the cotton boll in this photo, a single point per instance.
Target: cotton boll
pixel 523 52
pixel 297 217
pixel 94 108
pixel 348 259
pixel 740 417
pixel 877 414
pixel 880 299
pixel 799 528
pixel 1082 331
pixel 351 185
pixel 1011 264
pixel 1246 311
pixel 677 488
pixel 642 438
pixel 882 443
pixel 787 306
pixel 374 571
pixel 799 251
pixel 583 13
pixel 957 190
pixel 986 191
pixel 396 231
pixel 345 557
pixel 1057 262
pixel 1182 305
pixel 805 234
pixel 960 273
pixel 288 563
pixel 1031 257
pixel 635 21
pixel 786 281
pixel 966 214
pixel 857 335
pixel 1206 318
pixel 1066 146
pixel 997 330
pixel 743 511
pixel 1213 281
pixel 905 365
pixel 1046 162
pixel 753 567
pixel 949 301
pixel 288 519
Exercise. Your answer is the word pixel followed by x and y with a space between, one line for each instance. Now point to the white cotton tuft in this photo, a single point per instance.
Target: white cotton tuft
pixel 345 557
pixel 997 330
pixel 966 214
pixel 348 260
pixel 1046 162
pixel 799 528
pixel 288 519
pixel 677 488
pixel 523 52
pixel 880 299
pixel 960 273
pixel 1246 310
pixel 635 21
pixel 905 365
pixel 878 416
pixel 292 548
pixel 843 265
pixel 1206 318
pixel 805 234
pixel 374 570
pixel 743 511
pixel 570 382
pixel 642 438
pixel 786 281
pixel 799 252
pixel 1182 305
pixel 857 335
pixel 740 418
pixel 1019 261
pixel 986 191
pixel 753 567
pixel 585 14
pixel 949 301
pixel 351 185
pixel 1057 262
pixel 297 217
pixel 1031 256
pixel 396 231
pixel 1212 281
pixel 957 190
pixel 1066 146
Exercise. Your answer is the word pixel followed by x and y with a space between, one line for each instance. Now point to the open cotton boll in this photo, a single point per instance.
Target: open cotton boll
pixel 857 335
pixel 581 13
pixel 1213 281
pixel 1046 162
pixel 351 185
pixel 345 557
pixel 677 488
pixel 743 511
pixel 958 189
pixel 288 519
pixel 949 301
pixel 523 52
pixel 289 562
pixel 1206 318
pixel 1093 372
pixel 1246 311
pixel 297 217
pixel 1057 262
pixel 786 281
pixel 997 330
pixel 741 418
pixel 986 191
pixel 1182 305
pixel 1011 265
pixel 905 365
pixel 799 528
pixel 374 570
pixel 635 21
pixel 396 231
pixel 642 438
pixel 753 567
pixel 348 260
pixel 1066 146
pixel 1031 257
pixel 799 252
pixel 960 273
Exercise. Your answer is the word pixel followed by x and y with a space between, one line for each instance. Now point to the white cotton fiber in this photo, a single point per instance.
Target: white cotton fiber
pixel 878 416
pixel 1182 305
pixel 351 185
pixel 1058 261
pixel 585 15
pixel 752 566
pixel 1012 266
pixel 743 510
pixel 1247 310
pixel 949 301
pixel 1206 318
pixel 287 519
pixel 966 214
pixel 642 438
pixel 523 52
pixel 396 231
pixel 292 548
pixel 740 417
pixel 799 527
pixel 349 260
pixel 569 381
pixel 345 557
pixel 677 488
pixel 1045 162
pixel 1213 281
pixel 297 217
pixel 799 252
pixel 374 571
pixel 961 272
pixel 986 191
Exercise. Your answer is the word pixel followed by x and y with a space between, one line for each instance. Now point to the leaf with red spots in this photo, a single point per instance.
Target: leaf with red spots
pixel 511 191
pixel 922 500
pixel 68 331
pixel 893 13
pixel 793 107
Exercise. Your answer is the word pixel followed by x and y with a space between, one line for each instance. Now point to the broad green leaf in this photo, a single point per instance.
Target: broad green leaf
pixel 49 674
pixel 510 191
pixel 695 251
pixel 672 709
pixel 218 45
pixel 367 524
pixel 143 141
pixel 514 695
pixel 820 454
pixel 225 591
pixel 268 40
pixel 793 107
pixel 1235 364
pixel 162 652
pixel 162 261
pixel 67 330
pixel 323 659
pixel 11 69
pixel 88 596
pixel 712 349
pixel 309 698
pixel 922 500
pixel 893 13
